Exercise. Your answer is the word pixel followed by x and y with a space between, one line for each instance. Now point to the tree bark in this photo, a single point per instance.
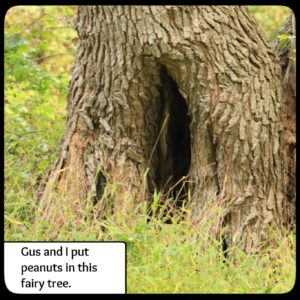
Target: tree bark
pixel 286 52
pixel 181 90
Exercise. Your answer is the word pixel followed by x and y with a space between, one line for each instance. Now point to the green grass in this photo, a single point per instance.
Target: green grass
pixel 181 257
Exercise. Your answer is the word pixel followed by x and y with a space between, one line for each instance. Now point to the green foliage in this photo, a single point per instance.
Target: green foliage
pixel 270 18
pixel 180 257
pixel 284 40
pixel 35 95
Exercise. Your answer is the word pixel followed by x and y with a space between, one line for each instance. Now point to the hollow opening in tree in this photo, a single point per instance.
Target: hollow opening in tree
pixel 174 146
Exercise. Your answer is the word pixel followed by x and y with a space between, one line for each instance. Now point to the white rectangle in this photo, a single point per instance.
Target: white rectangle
pixel 65 268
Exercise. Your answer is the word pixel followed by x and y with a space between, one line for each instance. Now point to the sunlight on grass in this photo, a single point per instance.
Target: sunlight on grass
pixel 181 257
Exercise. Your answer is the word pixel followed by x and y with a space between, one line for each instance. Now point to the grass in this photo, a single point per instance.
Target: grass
pixel 181 257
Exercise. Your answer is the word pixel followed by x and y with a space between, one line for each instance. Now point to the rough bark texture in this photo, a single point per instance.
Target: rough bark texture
pixel 286 52
pixel 134 67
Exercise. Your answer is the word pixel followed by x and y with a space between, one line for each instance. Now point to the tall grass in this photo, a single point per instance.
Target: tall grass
pixel 179 257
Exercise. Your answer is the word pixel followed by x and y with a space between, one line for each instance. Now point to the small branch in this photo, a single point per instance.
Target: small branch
pixel 59 27
pixel 68 24
pixel 50 56
pixel 32 22
pixel 20 135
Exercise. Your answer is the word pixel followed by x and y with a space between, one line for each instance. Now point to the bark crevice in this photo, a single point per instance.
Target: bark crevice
pixel 100 186
pixel 174 147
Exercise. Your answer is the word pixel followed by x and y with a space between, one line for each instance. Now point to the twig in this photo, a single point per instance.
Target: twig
pixel 50 56
pixel 157 140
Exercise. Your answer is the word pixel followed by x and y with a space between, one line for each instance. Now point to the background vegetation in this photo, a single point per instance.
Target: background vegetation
pixel 40 44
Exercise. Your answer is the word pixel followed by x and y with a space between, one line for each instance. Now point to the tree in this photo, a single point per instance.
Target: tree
pixel 172 91
pixel 285 47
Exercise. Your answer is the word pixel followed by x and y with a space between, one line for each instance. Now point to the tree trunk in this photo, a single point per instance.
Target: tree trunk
pixel 286 51
pixel 184 91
